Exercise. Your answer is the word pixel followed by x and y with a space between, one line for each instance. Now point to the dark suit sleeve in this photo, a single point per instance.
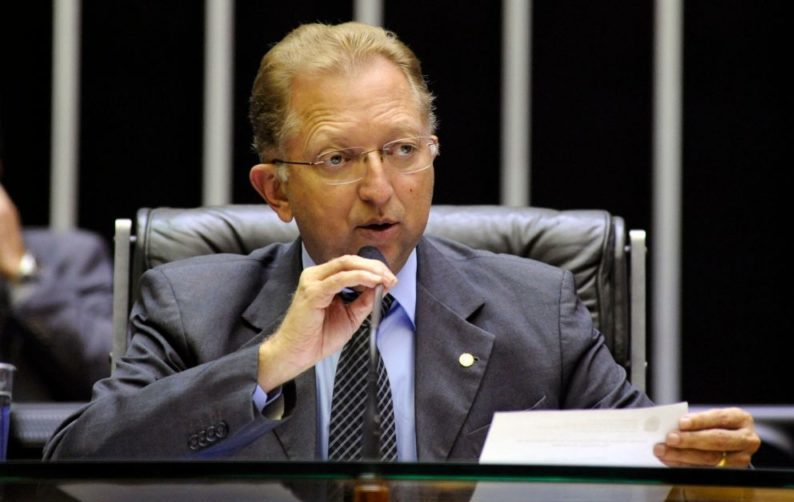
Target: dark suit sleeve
pixel 67 309
pixel 169 398
pixel 590 376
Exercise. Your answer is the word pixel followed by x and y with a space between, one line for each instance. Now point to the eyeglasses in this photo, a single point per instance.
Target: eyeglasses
pixel 405 156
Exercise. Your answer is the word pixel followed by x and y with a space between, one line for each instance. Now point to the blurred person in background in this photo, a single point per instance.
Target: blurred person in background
pixel 56 301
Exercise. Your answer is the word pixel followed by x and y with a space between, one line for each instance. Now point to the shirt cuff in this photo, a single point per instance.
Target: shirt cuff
pixel 262 400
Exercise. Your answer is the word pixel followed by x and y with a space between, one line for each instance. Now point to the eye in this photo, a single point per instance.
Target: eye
pixel 335 160
pixel 402 148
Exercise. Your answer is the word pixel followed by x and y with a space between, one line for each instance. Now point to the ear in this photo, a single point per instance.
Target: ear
pixel 264 178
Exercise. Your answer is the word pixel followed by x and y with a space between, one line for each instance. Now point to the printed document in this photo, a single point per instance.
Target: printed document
pixel 581 437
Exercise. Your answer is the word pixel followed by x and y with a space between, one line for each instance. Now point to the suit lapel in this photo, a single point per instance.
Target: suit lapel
pixel 445 387
pixel 268 308
pixel 298 435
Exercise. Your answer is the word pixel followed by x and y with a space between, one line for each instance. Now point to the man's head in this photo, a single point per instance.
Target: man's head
pixel 325 102
pixel 317 49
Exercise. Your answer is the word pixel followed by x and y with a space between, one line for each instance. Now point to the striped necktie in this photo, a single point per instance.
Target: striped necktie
pixel 350 399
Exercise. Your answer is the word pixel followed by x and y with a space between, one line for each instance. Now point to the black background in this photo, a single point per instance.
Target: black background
pixel 591 135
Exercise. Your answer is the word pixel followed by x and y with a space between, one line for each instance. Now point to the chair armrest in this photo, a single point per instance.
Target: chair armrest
pixel 121 288
pixel 637 252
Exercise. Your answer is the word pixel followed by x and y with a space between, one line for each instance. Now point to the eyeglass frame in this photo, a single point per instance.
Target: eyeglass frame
pixel 433 144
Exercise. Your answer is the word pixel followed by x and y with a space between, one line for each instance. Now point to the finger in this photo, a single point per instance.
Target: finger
pixel 320 293
pixel 722 418
pixel 682 457
pixel 319 284
pixel 685 457
pixel 359 308
pixel 353 262
pixel 715 440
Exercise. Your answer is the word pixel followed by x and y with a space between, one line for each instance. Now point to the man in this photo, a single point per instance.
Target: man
pixel 56 302
pixel 239 357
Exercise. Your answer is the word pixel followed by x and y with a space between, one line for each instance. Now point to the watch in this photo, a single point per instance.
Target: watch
pixel 27 267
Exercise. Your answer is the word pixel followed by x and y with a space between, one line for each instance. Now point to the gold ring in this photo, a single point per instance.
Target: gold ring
pixel 724 460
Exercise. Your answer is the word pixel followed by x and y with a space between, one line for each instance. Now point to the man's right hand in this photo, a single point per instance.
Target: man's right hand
pixel 318 323
pixel 11 246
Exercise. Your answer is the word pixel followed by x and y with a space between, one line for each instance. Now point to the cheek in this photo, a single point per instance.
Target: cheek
pixel 425 190
pixel 418 196
pixel 420 187
pixel 307 204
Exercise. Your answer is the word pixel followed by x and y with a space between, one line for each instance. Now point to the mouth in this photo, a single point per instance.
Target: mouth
pixel 378 226
pixel 379 232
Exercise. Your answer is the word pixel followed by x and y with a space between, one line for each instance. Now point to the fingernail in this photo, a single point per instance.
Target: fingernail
pixel 659 450
pixel 673 439
pixel 685 422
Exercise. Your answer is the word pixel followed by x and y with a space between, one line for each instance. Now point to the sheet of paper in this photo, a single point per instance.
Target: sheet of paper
pixel 580 437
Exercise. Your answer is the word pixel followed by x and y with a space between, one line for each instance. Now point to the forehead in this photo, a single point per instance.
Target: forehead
pixel 371 99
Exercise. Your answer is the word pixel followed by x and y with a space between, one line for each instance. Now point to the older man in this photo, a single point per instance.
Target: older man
pixel 251 356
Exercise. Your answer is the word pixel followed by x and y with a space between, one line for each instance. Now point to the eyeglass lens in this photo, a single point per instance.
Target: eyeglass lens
pixel 408 155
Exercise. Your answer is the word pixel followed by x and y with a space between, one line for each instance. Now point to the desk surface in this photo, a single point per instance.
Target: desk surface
pixel 287 482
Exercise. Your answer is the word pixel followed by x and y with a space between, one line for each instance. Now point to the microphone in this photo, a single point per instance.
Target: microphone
pixel 370 441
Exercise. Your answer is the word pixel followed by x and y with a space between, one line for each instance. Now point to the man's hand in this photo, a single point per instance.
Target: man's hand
pixel 318 322
pixel 11 246
pixel 718 438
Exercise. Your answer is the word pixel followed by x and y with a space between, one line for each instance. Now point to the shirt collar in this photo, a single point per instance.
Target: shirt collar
pixel 405 290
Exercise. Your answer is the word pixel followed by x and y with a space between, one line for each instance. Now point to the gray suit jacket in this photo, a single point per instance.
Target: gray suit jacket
pixel 57 328
pixel 184 387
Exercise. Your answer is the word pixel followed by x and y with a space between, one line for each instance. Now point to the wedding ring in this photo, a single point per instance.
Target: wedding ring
pixel 724 460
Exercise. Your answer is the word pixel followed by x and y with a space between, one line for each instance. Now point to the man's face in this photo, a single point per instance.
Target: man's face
pixel 386 209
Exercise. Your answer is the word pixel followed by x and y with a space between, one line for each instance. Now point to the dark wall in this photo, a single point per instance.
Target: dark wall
pixel 25 73
pixel 141 106
pixel 738 142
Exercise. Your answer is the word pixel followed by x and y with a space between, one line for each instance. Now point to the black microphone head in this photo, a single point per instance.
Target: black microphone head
pixel 372 253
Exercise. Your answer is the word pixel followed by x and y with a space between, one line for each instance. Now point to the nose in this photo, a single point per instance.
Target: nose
pixel 375 186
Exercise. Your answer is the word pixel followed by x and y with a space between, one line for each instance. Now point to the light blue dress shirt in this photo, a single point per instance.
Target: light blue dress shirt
pixel 395 340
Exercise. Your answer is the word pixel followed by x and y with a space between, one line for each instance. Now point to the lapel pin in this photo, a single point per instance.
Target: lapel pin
pixel 466 359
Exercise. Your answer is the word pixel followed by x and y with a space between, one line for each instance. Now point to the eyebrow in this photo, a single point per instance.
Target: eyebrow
pixel 394 133
pixel 396 130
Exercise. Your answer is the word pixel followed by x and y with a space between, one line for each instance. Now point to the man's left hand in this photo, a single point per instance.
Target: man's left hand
pixel 723 437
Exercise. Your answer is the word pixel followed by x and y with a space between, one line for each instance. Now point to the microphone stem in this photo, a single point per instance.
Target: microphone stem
pixel 370 444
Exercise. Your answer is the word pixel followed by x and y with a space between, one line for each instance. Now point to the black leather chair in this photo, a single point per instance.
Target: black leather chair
pixel 592 244
pixel 608 263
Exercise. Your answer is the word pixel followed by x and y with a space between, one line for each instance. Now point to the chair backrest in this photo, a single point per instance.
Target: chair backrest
pixel 592 244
